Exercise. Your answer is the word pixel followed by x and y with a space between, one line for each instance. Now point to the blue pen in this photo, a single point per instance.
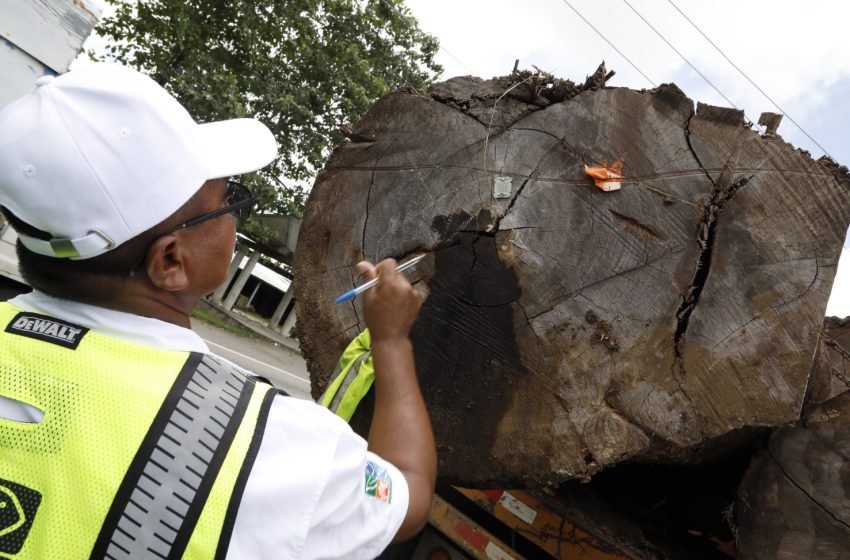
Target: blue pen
pixel 351 294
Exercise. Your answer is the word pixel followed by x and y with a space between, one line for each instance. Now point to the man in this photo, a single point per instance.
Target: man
pixel 121 435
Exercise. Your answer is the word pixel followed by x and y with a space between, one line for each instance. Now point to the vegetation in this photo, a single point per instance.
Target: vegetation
pixel 303 67
pixel 230 326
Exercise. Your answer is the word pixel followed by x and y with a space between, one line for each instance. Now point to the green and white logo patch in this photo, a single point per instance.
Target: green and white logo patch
pixel 379 484
pixel 18 505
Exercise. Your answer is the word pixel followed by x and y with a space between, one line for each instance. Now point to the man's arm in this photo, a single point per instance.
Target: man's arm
pixel 401 430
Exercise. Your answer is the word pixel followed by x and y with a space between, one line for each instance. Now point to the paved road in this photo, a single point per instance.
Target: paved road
pixel 284 367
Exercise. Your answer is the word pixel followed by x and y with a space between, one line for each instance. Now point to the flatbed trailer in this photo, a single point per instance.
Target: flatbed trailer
pixel 517 524
pixel 499 525
pixel 528 527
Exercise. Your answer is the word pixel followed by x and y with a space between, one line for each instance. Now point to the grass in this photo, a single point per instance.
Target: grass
pixel 203 315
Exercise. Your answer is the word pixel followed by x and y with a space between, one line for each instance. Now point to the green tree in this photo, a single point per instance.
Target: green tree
pixel 303 67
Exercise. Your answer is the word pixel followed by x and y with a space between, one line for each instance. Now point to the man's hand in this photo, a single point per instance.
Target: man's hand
pixel 390 307
pixel 401 430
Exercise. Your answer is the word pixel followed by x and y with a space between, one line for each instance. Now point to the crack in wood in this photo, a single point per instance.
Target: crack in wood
pixel 841 376
pixel 809 287
pixel 366 219
pixel 648 432
pixel 845 357
pixel 562 143
pixel 622 273
pixel 520 228
pixel 773 307
pixel 354 309
pixel 636 227
pixel 832 343
pixel 737 330
pixel 513 200
pixel 469 272
pixel 677 371
pixel 675 157
pixel 519 191
pixel 803 490
pixel 528 321
pixel 724 189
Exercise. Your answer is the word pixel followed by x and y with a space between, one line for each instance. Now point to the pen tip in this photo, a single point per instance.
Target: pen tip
pixel 344 297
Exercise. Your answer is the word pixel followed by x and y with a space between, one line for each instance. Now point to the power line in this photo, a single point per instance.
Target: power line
pixel 609 43
pixel 775 104
pixel 405 11
pixel 669 44
pixel 459 61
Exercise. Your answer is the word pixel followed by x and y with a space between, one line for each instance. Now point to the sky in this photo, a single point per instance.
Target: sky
pixel 796 52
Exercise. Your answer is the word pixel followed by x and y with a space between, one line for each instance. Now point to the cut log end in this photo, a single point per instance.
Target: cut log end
pixel 565 330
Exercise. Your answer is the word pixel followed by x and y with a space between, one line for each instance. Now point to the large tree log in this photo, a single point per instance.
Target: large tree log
pixel 568 329
pixel 793 501
pixel 831 368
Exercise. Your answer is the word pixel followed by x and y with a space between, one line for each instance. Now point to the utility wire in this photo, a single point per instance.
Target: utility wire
pixel 459 61
pixel 775 104
pixel 669 44
pixel 404 12
pixel 610 43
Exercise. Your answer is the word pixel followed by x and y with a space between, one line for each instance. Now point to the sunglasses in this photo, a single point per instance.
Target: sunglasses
pixel 238 200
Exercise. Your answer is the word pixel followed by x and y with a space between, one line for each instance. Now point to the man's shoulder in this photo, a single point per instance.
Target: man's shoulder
pixel 120 325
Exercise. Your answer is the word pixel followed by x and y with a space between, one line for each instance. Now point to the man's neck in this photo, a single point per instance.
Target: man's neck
pixel 139 298
pixel 167 307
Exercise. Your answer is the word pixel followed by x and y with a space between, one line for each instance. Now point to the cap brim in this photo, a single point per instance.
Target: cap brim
pixel 235 147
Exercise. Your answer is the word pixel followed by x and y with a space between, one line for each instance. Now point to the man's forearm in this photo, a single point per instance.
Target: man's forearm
pixel 401 430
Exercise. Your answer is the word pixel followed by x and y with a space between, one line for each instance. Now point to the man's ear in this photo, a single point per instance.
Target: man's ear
pixel 166 263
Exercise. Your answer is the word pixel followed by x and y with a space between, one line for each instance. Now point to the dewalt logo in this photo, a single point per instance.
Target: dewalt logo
pixel 47 329
pixel 18 505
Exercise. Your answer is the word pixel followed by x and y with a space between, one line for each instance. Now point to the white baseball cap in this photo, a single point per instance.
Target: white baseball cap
pixel 103 153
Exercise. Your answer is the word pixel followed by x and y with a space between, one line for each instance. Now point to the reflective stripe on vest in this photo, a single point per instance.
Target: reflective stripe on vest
pixel 142 453
pixel 167 484
pixel 352 378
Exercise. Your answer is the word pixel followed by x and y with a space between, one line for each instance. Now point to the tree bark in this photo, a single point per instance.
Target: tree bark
pixel 567 329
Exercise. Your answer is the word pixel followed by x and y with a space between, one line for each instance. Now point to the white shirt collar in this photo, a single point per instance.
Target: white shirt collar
pixel 116 324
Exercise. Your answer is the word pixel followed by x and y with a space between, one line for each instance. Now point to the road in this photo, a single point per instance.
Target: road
pixel 284 367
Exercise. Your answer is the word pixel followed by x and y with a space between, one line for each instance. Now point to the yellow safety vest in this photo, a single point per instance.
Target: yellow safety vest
pixel 352 378
pixel 142 453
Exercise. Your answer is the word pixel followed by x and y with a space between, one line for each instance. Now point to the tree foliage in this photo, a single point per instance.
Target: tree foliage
pixel 303 67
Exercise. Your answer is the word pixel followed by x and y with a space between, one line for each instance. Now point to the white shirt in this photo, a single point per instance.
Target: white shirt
pixel 305 497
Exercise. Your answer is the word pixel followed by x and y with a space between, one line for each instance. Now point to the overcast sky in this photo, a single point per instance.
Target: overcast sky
pixel 797 52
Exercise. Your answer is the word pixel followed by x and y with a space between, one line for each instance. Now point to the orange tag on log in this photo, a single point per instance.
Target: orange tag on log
pixel 606 177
